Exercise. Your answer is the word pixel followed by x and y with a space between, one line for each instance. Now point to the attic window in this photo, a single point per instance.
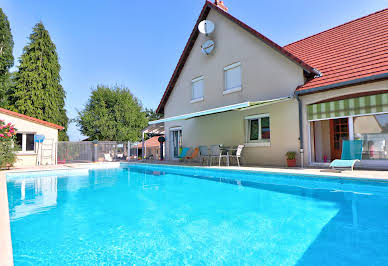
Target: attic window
pixel 197 89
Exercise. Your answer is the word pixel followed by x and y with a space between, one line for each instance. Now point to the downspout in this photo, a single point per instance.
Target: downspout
pixel 301 140
pixel 142 145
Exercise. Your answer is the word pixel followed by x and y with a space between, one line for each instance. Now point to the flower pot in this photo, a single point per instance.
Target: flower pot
pixel 291 163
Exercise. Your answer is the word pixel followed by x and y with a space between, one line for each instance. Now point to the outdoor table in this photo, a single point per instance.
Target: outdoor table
pixel 228 150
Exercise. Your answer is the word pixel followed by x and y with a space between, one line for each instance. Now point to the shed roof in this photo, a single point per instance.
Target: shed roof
pixel 31 119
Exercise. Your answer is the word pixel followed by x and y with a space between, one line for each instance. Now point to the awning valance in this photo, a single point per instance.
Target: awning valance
pixel 365 105
pixel 239 106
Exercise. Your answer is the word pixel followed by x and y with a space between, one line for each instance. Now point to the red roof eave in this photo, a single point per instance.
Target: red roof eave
pixel 32 119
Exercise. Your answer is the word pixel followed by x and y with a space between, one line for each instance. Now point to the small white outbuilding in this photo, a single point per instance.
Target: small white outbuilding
pixel 29 131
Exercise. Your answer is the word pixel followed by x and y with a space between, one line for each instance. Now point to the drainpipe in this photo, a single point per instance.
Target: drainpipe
pixel 142 145
pixel 300 130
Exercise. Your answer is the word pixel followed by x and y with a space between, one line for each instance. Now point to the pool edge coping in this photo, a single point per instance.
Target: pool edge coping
pixel 283 171
pixel 6 254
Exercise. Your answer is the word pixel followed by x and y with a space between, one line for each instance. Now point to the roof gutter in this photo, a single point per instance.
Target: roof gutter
pixel 343 84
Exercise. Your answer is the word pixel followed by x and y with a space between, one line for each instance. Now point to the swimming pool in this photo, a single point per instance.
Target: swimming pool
pixel 148 214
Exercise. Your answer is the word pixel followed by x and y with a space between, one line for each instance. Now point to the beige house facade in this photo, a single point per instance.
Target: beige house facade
pixel 32 153
pixel 234 86
pixel 260 67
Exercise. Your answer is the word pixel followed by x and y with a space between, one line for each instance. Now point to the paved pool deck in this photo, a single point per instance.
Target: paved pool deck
pixel 6 258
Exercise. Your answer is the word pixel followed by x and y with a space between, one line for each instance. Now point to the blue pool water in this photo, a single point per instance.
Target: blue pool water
pixel 145 214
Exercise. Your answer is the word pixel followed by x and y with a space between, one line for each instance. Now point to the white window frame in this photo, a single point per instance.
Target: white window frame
pixel 24 143
pixel 171 144
pixel 199 99
pixel 236 89
pixel 259 141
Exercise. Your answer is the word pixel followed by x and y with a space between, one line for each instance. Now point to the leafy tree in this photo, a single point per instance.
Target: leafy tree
pixel 152 115
pixel 6 57
pixel 37 91
pixel 113 114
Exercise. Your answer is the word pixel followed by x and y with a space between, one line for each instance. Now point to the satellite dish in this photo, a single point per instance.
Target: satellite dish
pixel 207 47
pixel 206 27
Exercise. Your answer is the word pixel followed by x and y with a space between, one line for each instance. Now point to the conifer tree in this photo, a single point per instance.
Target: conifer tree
pixel 6 57
pixel 37 91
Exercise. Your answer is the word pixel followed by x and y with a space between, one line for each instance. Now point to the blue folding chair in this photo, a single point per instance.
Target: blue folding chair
pixel 351 154
pixel 183 153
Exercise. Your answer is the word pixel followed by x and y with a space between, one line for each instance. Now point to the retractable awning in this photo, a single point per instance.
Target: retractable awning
pixel 156 128
pixel 365 105
pixel 239 106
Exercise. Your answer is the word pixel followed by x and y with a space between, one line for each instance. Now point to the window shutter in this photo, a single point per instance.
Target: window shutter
pixel 233 78
pixel 197 87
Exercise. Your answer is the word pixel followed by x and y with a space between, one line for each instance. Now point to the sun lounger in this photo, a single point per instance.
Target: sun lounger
pixel 193 155
pixel 351 154
pixel 183 153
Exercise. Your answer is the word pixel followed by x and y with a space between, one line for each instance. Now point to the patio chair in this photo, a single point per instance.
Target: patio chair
pixel 183 153
pixel 216 152
pixel 108 157
pixel 351 154
pixel 203 154
pixel 237 155
pixel 193 155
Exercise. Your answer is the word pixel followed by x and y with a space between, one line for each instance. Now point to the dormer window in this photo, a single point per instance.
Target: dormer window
pixel 232 78
pixel 197 90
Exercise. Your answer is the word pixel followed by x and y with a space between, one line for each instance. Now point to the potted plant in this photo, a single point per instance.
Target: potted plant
pixel 291 158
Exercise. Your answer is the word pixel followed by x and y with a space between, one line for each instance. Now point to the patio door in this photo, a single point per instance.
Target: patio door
pixel 339 130
pixel 176 142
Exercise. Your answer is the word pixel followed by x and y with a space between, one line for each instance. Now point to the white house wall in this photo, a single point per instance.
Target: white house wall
pixel 23 125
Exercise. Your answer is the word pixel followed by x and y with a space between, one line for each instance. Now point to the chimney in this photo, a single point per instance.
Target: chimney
pixel 221 5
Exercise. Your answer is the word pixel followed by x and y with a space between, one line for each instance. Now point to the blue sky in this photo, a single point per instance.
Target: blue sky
pixel 138 43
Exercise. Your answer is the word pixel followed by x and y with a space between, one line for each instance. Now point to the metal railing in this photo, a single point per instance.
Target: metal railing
pixel 102 151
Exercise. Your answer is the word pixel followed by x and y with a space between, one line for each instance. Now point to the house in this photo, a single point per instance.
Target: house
pixel 29 130
pixel 235 86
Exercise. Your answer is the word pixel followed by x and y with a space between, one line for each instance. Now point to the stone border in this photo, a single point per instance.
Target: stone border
pixel 6 256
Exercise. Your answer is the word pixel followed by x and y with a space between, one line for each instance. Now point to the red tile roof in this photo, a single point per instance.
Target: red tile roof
pixel 351 52
pixel 152 142
pixel 194 34
pixel 29 118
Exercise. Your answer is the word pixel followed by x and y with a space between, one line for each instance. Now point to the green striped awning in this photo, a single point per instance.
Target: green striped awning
pixel 364 105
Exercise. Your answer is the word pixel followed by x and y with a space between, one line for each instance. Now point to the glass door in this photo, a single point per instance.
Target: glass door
pixel 176 143
pixel 339 130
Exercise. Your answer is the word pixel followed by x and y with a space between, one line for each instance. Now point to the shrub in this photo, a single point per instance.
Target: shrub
pixel 7 147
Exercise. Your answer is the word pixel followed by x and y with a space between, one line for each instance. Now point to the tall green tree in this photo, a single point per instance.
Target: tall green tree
pixel 6 57
pixel 112 113
pixel 38 91
pixel 152 115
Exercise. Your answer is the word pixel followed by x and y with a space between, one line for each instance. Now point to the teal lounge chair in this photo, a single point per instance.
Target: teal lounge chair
pixel 351 154
pixel 183 153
